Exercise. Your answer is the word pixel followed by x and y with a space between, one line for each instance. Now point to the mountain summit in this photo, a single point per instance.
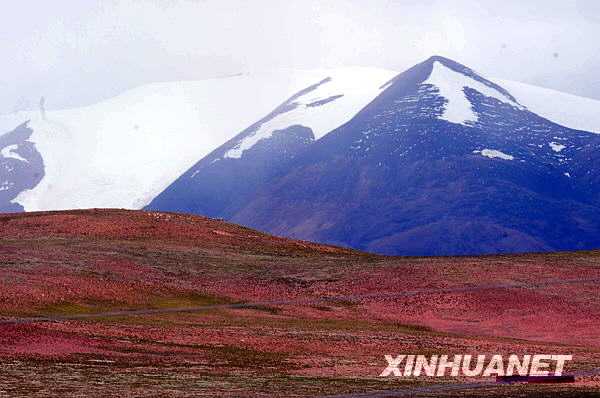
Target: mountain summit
pixel 441 162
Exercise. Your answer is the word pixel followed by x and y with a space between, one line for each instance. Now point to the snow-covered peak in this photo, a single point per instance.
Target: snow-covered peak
pixel 451 85
pixel 338 94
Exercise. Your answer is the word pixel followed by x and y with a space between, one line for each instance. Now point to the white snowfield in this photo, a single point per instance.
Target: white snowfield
pixel 347 92
pixel 451 85
pixel 122 152
pixel 568 110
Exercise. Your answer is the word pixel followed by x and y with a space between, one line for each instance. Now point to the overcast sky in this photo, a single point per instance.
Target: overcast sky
pixel 78 52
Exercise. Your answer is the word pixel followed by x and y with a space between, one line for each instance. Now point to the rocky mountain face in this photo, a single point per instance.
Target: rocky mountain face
pixel 21 166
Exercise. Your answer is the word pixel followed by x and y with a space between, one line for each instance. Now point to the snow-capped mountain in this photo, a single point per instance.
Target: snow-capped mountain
pixel 442 161
pixel 123 151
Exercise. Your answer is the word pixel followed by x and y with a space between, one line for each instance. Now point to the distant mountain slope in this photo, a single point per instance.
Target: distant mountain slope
pixel 442 162
pixel 124 151
pixel 569 110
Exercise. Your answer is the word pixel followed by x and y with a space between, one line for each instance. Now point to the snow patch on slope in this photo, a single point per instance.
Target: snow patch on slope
pixel 9 153
pixel 568 110
pixel 556 147
pixel 451 85
pixel 330 105
pixel 493 153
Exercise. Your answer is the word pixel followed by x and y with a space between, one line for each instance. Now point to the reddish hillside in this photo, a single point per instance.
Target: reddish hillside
pixel 314 319
pixel 183 229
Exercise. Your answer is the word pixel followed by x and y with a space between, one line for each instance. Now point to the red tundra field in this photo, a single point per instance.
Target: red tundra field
pixel 118 303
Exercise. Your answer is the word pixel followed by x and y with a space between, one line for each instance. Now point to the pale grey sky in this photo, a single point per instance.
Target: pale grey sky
pixel 78 52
